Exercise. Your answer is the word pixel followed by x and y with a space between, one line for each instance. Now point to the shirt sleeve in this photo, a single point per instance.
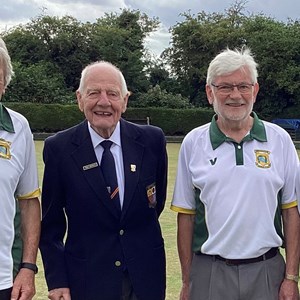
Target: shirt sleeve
pixel 28 186
pixel 289 197
pixel 184 192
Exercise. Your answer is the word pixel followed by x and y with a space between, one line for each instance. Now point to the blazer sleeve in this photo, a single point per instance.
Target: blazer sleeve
pixel 162 174
pixel 53 220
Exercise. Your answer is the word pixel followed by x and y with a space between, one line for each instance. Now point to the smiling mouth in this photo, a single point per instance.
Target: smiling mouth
pixel 103 113
pixel 235 104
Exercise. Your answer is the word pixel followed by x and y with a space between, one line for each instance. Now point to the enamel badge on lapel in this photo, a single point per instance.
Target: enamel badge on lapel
pixel 151 194
pixel 5 149
pixel 132 168
pixel 90 166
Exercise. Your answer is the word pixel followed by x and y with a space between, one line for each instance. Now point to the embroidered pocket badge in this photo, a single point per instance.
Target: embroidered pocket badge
pixel 151 194
pixel 5 149
pixel 262 159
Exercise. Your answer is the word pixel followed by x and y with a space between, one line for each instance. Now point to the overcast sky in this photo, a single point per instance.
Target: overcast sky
pixel 13 12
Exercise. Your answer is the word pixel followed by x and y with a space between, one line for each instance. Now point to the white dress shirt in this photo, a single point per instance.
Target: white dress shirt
pixel 116 150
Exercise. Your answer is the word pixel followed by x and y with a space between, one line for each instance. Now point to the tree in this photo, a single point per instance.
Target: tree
pixel 160 75
pixel 70 45
pixel 276 47
pixel 156 97
pixel 38 83
pixel 275 44
pixel 195 41
pixel 123 37
pixel 58 41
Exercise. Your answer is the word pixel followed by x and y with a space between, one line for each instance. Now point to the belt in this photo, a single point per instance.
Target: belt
pixel 234 262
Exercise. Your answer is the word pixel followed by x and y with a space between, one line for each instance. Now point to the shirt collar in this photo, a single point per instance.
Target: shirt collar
pixel 5 120
pixel 257 132
pixel 97 139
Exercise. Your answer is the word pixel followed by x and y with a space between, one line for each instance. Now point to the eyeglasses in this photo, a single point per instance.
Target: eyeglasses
pixel 243 88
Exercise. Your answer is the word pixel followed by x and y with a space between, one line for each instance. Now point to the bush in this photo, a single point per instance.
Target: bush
pixel 155 97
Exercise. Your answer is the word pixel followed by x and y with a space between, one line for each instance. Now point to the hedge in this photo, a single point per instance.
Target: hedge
pixel 51 118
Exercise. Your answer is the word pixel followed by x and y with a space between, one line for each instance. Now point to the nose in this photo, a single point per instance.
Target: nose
pixel 235 92
pixel 103 99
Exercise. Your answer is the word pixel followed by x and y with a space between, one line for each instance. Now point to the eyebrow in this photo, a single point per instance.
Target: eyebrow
pixel 227 83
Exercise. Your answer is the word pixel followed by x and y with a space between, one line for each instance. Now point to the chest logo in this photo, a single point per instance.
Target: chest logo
pixel 213 161
pixel 262 158
pixel 5 149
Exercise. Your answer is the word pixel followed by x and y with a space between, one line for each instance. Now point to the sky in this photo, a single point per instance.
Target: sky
pixel 15 12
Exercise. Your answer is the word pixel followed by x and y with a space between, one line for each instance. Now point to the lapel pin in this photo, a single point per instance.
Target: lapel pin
pixel 132 168
pixel 90 166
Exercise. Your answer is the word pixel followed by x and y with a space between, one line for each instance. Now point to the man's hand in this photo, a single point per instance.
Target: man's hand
pixel 60 294
pixel 23 288
pixel 289 290
pixel 185 292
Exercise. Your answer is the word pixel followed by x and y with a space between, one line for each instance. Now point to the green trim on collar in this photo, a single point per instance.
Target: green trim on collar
pixel 217 137
pixel 5 120
pixel 258 130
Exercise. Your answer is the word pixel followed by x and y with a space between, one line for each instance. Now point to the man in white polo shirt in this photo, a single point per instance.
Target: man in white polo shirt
pixel 235 195
pixel 18 179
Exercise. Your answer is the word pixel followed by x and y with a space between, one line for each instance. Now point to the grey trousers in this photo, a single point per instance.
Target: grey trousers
pixel 212 279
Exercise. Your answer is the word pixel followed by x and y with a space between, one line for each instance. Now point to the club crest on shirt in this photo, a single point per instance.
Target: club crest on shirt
pixel 5 149
pixel 262 158
pixel 151 194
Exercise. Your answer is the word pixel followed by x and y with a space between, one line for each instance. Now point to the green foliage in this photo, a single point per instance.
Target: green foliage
pixel 69 45
pixel 155 97
pixel 119 39
pixel 275 44
pixel 276 47
pixel 196 41
pixel 38 83
pixel 49 53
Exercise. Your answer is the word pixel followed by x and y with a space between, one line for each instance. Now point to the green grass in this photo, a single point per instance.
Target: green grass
pixel 168 223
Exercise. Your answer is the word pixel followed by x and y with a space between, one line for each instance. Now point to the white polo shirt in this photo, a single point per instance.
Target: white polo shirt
pixel 18 178
pixel 236 190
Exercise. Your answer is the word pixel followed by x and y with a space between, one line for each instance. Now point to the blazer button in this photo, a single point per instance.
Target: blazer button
pixel 117 263
pixel 121 232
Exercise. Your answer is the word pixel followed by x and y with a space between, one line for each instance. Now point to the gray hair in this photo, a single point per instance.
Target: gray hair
pixel 229 61
pixel 5 63
pixel 85 71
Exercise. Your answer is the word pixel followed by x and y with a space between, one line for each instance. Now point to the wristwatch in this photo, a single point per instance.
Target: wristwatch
pixel 29 266
pixel 292 277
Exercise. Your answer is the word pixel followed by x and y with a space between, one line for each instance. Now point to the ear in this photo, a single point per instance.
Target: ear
pixel 125 102
pixel 255 91
pixel 209 94
pixel 79 100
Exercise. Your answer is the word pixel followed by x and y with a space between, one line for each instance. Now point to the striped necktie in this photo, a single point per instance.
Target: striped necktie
pixel 109 173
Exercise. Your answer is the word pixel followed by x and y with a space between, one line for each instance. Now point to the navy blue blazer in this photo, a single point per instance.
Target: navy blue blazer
pixel 86 243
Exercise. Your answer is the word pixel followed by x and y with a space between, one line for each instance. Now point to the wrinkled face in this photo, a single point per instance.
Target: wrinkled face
pixel 101 100
pixel 235 103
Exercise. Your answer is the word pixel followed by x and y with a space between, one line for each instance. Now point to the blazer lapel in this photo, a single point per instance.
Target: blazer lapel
pixel 133 152
pixel 86 160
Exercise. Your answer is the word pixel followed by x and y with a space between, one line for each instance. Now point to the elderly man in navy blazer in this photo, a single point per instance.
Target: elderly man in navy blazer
pixel 98 241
